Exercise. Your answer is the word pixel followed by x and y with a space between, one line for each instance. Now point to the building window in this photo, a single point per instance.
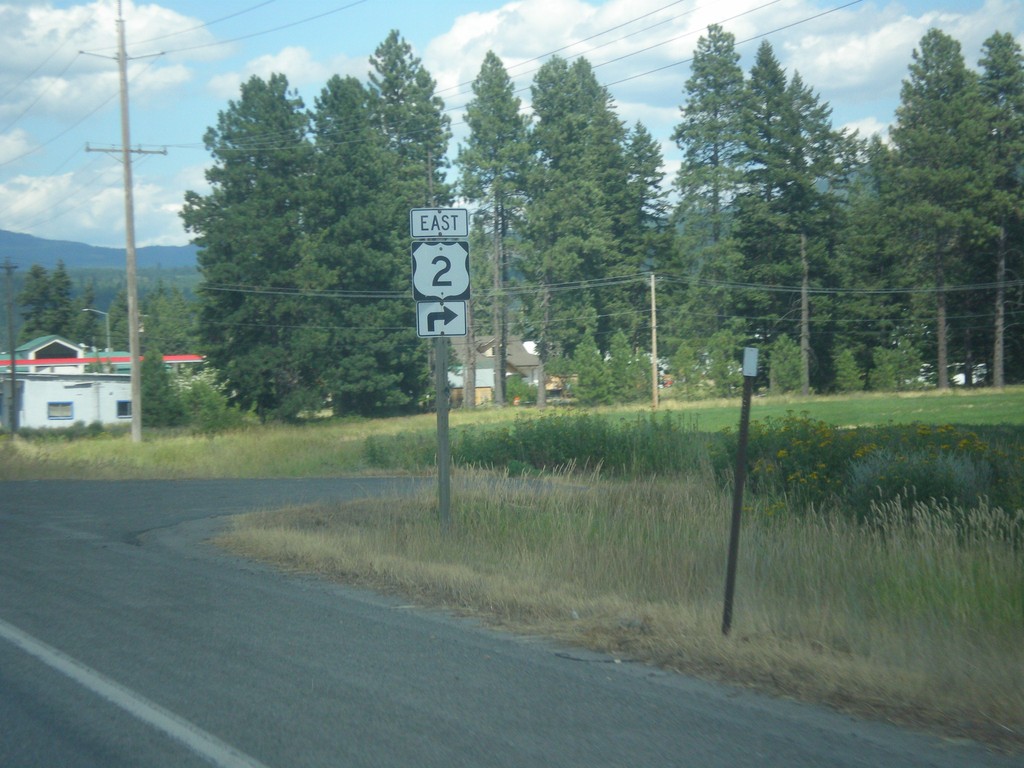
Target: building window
pixel 124 409
pixel 62 410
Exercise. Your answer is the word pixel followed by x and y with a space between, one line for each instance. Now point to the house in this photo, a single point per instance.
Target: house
pixel 60 383
pixel 520 360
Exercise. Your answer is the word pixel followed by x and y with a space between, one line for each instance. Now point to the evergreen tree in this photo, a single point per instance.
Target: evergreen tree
pixel 163 403
pixel 578 206
pixel 940 136
pixel 170 320
pixel 872 264
pixel 629 371
pixel 369 358
pixel 593 381
pixel 645 243
pixel 250 230
pixel 411 116
pixel 493 166
pixel 88 327
pixel 47 306
pixel 34 299
pixel 787 211
pixel 707 257
pixel 1002 89
pixel 118 314
pixel 710 136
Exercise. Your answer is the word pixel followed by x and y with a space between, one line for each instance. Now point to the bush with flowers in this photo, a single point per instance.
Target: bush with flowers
pixel 797 462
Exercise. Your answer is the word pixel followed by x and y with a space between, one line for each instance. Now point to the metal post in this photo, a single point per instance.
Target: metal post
pixel 749 374
pixel 654 347
pixel 443 445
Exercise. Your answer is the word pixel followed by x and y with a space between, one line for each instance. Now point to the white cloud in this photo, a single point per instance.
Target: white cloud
pixel 14 145
pixel 44 74
pixel 297 63
pixel 868 127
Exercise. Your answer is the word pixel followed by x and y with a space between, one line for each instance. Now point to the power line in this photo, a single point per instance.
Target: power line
pixel 271 30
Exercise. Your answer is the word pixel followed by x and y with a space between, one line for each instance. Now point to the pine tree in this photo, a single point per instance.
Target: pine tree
pixel 412 117
pixel 710 136
pixel 163 403
pixel 170 320
pixel 872 264
pixel 707 258
pixel 250 230
pixel 47 306
pixel 1002 89
pixel 645 242
pixel 578 206
pixel 369 357
pixel 787 212
pixel 939 135
pixel 493 166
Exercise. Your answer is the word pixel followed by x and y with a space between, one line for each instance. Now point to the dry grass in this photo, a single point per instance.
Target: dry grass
pixel 910 622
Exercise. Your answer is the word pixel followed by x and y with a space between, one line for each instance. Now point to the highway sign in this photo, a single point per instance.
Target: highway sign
pixel 452 223
pixel 440 318
pixel 440 270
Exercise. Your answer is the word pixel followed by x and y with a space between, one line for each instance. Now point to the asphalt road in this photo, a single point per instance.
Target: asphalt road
pixel 126 640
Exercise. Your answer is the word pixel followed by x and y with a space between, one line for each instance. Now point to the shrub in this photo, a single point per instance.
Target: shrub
pixel 516 386
pixel 798 463
pixel 412 451
pixel 206 405
pixel 785 373
pixel 895 368
pixel 645 445
pixel 916 476
pixel 848 373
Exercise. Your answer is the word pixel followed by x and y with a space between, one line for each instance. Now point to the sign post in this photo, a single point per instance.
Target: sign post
pixel 440 286
pixel 749 374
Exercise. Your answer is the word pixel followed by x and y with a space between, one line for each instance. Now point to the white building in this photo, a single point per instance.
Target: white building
pixel 58 384
pixel 60 400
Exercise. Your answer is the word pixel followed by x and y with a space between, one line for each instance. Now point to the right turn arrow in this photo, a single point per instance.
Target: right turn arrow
pixel 445 316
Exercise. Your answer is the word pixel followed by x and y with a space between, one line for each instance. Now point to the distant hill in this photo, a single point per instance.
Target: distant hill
pixel 26 250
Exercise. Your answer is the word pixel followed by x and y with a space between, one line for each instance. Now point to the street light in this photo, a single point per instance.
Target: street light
pixel 106 317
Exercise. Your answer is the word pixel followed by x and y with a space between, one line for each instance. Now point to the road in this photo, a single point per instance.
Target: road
pixel 128 640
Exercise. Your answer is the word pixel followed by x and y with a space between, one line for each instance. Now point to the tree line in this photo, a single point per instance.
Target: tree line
pixel 86 306
pixel 851 262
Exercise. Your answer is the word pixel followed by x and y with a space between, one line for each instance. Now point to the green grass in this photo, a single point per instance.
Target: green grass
pixel 332 448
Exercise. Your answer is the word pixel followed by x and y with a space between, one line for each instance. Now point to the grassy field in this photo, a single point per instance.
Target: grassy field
pixel 916 616
pixel 336 447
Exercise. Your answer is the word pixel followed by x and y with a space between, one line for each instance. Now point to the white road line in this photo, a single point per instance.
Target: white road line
pixel 204 744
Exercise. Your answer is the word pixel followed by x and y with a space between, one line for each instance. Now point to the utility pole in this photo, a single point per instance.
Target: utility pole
pixel 126 151
pixel 11 402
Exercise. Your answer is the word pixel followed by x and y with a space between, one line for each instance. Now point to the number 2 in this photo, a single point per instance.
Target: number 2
pixel 438 282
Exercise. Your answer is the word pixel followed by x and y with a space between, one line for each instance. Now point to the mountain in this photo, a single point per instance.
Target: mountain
pixel 26 250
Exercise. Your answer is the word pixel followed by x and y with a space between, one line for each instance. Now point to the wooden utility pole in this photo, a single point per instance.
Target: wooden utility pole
pixel 131 279
pixel 134 351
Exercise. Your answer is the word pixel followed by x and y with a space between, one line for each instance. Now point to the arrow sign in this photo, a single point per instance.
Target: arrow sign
pixel 445 316
pixel 440 270
pixel 438 318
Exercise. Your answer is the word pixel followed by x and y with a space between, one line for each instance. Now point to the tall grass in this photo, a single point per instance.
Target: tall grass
pixel 909 617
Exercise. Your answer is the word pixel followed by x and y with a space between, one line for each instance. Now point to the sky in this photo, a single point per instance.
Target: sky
pixel 59 93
